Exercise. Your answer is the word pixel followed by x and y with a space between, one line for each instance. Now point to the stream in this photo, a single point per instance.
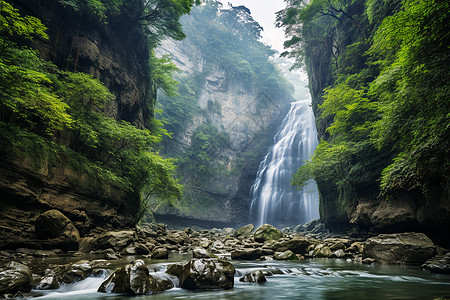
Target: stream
pixel 304 279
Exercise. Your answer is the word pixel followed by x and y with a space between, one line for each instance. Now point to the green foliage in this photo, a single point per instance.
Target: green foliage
pixel 387 109
pixel 50 115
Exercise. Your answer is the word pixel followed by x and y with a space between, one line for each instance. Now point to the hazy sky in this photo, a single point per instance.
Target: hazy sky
pixel 263 11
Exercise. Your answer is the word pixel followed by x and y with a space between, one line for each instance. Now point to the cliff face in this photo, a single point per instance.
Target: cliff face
pixel 114 52
pixel 247 120
pixel 362 206
pixel 29 185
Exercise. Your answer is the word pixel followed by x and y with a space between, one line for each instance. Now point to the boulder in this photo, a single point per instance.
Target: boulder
pixel 135 249
pixel 16 277
pixel 438 264
pixel 267 232
pixel 160 253
pixel 134 279
pixel 399 248
pixel 286 255
pixel 299 245
pixel 116 240
pixel 254 277
pixel 322 251
pixel 175 270
pixel 48 282
pixel 53 224
pixel 207 274
pixel 76 272
pixel 201 253
pixel 244 231
pixel 337 254
pixel 246 254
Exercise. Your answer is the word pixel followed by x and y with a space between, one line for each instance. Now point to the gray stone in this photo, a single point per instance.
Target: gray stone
pixel 244 231
pixel 246 254
pixel 201 253
pixel 207 274
pixel 254 277
pixel 286 255
pixel 267 232
pixel 116 240
pixel 16 277
pixel 53 224
pixel 160 253
pixel 400 248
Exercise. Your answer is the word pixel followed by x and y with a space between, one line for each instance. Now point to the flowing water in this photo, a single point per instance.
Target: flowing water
pixel 308 279
pixel 274 199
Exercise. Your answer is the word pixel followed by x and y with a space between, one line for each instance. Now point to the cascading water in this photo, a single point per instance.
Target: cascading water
pixel 274 200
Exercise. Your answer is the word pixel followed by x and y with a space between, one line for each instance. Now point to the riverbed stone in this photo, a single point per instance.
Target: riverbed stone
pixel 299 245
pixel 54 225
pixel 246 254
pixel 76 271
pixel 48 282
pixel 116 240
pixel 160 253
pixel 15 277
pixel 286 255
pixel 254 277
pixel 399 248
pixel 199 252
pixel 207 274
pixel 438 264
pixel 244 230
pixel 267 232
pixel 134 279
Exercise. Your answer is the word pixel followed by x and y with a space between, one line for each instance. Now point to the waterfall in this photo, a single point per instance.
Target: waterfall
pixel 274 199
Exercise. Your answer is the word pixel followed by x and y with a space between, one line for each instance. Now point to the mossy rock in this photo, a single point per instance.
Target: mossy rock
pixel 267 232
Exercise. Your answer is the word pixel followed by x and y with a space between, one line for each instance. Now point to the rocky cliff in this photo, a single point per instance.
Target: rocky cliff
pixel 245 118
pixel 32 182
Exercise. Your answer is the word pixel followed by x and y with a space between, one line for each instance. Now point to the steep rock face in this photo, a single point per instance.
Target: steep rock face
pixel 114 53
pixel 362 207
pixel 247 117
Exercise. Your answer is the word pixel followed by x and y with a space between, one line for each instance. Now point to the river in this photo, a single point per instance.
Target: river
pixel 306 279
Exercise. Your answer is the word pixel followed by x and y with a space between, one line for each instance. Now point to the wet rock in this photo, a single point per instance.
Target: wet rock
pixel 76 272
pixel 356 247
pixel 322 251
pixel 338 254
pixel 116 240
pixel 368 261
pixel 53 224
pixel 267 232
pixel 15 277
pixel 286 255
pixel 175 270
pixel 218 245
pixel 207 274
pixel 44 254
pixel 254 277
pixel 177 238
pixel 298 245
pixel 400 248
pixel 337 246
pixel 134 279
pixel 135 249
pixel 86 244
pixel 160 253
pixel 246 254
pixel 201 253
pixel 244 231
pixel 48 282
pixel 438 264
pixel 112 256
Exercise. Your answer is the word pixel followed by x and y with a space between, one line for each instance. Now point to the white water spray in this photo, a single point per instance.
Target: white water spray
pixel 274 199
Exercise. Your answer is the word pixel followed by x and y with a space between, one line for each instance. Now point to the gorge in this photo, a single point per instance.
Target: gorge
pixel 147 148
